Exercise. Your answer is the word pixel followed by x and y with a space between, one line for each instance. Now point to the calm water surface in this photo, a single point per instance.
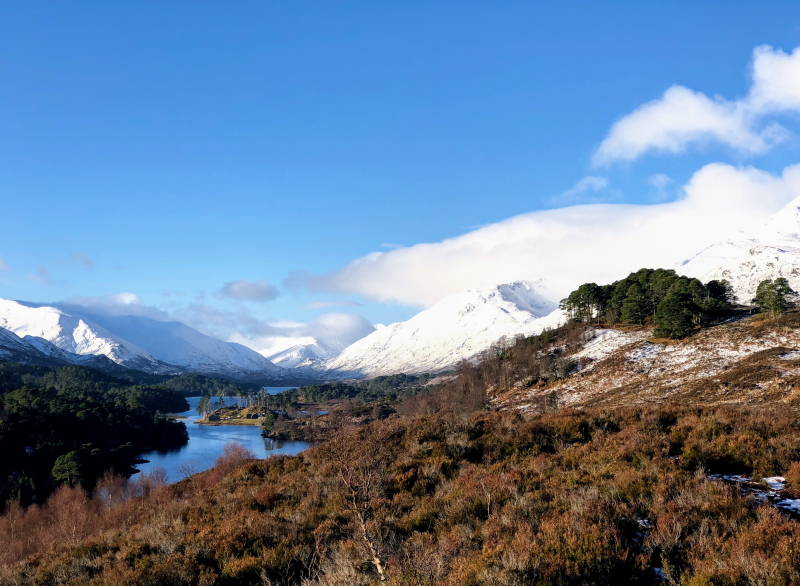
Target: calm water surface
pixel 207 441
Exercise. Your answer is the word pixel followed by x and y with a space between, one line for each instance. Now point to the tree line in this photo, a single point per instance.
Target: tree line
pixel 368 390
pixel 72 424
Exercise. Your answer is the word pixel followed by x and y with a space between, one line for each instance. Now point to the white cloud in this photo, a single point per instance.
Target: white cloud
pixel 250 290
pixel 776 80
pixel 124 303
pixel 587 184
pixel 682 117
pixel 598 242
pixel 659 180
pixel 4 265
pixel 332 330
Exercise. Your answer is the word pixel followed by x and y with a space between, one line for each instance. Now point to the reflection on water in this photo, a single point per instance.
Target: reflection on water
pixel 206 443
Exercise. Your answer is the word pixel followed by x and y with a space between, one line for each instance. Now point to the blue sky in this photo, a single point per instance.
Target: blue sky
pixel 167 149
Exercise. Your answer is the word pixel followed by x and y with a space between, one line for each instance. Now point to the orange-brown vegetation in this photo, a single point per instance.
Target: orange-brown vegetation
pixel 602 496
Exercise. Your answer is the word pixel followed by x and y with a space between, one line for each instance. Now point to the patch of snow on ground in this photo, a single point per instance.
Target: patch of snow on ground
pixel 644 353
pixel 604 342
pixel 792 505
pixel 775 482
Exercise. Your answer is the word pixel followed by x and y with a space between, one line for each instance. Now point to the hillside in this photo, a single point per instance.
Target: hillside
pixel 749 361
pixel 583 455
pixel 594 497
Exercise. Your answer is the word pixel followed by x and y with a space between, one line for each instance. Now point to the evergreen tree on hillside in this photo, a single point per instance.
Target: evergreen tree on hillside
pixel 676 316
pixel 774 297
pixel 634 307
pixel 584 304
pixel 721 293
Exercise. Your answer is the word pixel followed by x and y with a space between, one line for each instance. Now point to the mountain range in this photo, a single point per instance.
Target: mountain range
pixel 70 334
pixel 457 328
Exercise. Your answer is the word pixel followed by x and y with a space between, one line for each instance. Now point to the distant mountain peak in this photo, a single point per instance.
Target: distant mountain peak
pixel 309 354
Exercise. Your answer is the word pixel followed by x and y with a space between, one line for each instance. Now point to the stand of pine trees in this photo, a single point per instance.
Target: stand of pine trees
pixel 675 304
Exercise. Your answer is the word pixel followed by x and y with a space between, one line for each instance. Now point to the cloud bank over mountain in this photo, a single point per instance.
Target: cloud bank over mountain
pixel 569 245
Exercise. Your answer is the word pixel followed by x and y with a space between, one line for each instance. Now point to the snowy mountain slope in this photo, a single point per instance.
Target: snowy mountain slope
pixel 770 251
pixel 70 333
pixel 59 334
pixel 458 327
pixel 178 344
pixel 311 354
pixel 15 349
pixel 54 353
pixel 10 342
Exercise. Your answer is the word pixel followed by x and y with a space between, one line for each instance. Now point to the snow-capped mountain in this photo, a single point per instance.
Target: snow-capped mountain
pixel 310 354
pixel 41 352
pixel 458 327
pixel 60 334
pixel 768 252
pixel 73 334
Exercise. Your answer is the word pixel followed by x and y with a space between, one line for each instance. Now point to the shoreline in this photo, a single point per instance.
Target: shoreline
pixel 233 422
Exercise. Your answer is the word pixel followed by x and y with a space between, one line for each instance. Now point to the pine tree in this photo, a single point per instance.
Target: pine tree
pixel 774 297
pixel 634 307
pixel 675 316
pixel 585 303
pixel 67 469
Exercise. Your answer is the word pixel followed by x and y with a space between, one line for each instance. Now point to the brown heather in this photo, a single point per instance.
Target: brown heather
pixel 593 497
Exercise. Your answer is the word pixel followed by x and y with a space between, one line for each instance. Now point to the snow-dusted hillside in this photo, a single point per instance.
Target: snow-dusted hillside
pixel 770 251
pixel 742 361
pixel 178 344
pixel 71 334
pixel 458 327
